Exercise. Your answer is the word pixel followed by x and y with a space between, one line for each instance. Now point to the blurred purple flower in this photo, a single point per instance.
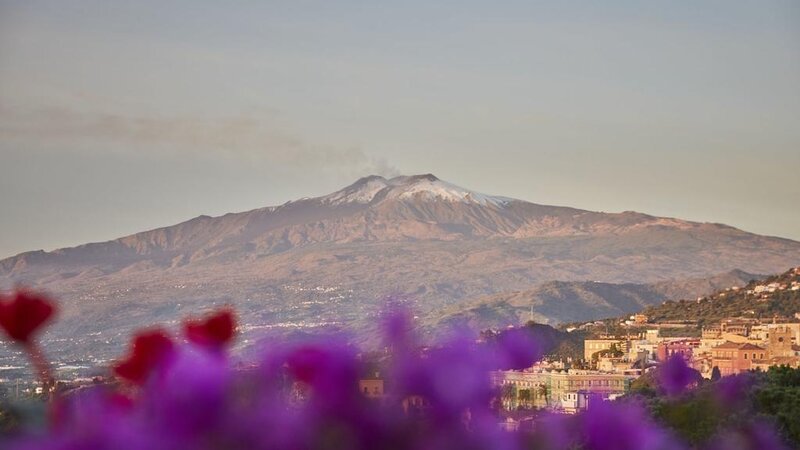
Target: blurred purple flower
pixel 674 375
pixel 189 396
pixel 95 420
pixel 453 378
pixel 305 395
pixel 622 426
pixel 517 349
pixel 732 390
pixel 555 431
pixel 396 325
pixel 755 436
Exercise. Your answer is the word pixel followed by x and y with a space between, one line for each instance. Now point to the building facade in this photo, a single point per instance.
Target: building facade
pixel 684 347
pixel 732 358
pixel 592 346
pixel 559 390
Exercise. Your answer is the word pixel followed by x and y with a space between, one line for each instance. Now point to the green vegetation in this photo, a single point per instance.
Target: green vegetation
pixel 689 331
pixel 713 308
pixel 558 345
pixel 690 316
pixel 708 311
pixel 728 403
pixel 779 397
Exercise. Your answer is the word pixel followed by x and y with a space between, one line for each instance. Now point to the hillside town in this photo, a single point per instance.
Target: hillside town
pixel 611 362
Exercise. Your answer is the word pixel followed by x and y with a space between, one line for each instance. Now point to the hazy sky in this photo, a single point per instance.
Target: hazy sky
pixel 117 117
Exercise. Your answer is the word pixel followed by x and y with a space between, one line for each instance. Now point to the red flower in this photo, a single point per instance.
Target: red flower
pixel 215 331
pixel 22 313
pixel 150 349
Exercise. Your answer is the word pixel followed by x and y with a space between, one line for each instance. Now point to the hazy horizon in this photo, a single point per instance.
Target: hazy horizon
pixel 119 118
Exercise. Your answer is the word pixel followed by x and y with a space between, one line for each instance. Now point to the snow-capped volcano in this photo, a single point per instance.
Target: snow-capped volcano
pixel 332 259
pixel 417 208
pixel 423 187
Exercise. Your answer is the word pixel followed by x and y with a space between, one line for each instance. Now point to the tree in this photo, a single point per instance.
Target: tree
pixel 780 399
pixel 544 391
pixel 524 398
pixel 613 352
pixel 509 393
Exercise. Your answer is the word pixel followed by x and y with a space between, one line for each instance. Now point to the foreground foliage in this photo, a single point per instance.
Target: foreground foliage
pixel 188 393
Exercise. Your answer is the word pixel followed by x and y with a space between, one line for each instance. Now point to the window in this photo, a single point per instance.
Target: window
pixel 745 356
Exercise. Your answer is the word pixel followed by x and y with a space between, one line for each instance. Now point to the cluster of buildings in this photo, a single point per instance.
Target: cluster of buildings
pixel 610 364
pixel 727 348
pixel 563 390
pixel 763 290
pixel 739 345
pixel 731 346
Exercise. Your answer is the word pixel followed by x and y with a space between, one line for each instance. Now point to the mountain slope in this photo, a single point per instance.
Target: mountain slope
pixel 558 301
pixel 766 297
pixel 402 209
pixel 330 259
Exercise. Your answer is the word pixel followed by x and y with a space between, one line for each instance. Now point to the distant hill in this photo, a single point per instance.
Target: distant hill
pixel 764 298
pixel 330 260
pixel 559 301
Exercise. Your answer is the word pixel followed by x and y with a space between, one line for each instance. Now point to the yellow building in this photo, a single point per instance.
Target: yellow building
pixel 592 346
pixel 556 389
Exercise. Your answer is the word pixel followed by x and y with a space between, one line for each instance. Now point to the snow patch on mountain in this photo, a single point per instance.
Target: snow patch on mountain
pixel 435 189
pixel 362 191
pixel 419 187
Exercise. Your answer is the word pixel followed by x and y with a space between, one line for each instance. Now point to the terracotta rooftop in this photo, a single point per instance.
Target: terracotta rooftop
pixel 738 346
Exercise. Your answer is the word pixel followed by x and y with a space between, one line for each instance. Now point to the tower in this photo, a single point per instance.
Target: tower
pixel 780 341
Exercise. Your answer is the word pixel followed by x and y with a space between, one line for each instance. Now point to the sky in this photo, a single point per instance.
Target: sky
pixel 118 117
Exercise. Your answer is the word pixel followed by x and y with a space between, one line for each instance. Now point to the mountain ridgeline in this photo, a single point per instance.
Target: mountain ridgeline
pixel 331 260
pixel 579 301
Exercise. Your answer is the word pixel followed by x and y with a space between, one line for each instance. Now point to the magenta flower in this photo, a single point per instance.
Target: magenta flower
pixel 23 313
pixel 149 349
pixel 216 330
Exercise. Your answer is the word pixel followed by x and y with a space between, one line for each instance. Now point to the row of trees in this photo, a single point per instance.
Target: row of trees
pixel 525 398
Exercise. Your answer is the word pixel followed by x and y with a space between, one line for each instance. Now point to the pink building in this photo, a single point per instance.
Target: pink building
pixel 683 347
